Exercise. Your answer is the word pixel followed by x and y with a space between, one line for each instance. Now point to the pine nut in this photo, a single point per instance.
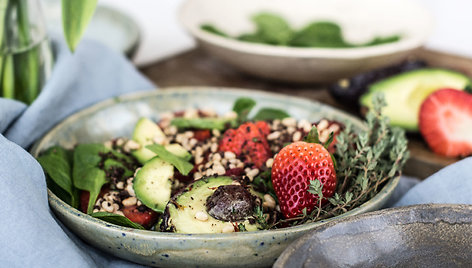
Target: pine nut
pixel 130 201
pixel 297 136
pixel 322 125
pixel 229 155
pixel 269 162
pixel 201 216
pixel 269 201
pixel 273 136
pixel 289 122
pixel 228 229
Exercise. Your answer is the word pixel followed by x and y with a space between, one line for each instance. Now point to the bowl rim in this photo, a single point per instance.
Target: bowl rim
pixel 59 205
pixel 286 254
pixel 404 44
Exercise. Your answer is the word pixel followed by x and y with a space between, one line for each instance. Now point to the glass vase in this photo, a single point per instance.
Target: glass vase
pixel 25 51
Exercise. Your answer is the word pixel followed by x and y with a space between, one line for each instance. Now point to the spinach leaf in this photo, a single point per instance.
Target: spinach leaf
pixel 243 107
pixel 183 166
pixel 86 173
pixel 200 123
pixel 56 162
pixel 116 219
pixel 270 114
pixel 212 29
pixel 382 40
pixel 272 28
pixel 320 34
pixel 253 38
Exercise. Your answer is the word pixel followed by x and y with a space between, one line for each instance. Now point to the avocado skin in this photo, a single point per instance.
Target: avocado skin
pixel 404 93
pixel 348 92
pixel 176 205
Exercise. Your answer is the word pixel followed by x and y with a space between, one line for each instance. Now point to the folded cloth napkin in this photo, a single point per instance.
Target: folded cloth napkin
pixel 30 235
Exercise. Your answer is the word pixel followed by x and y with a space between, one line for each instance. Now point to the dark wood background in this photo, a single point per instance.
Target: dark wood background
pixel 197 68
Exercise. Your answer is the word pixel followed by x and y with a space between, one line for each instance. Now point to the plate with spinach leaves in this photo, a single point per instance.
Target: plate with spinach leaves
pixel 306 41
pixel 118 116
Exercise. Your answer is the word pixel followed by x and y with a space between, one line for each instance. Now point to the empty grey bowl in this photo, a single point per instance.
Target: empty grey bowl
pixel 117 117
pixel 433 235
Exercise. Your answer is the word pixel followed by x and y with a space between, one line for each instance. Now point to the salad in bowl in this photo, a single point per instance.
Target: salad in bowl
pixel 204 172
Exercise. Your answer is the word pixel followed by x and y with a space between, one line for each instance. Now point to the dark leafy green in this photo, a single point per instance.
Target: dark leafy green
pixel 116 219
pixel 272 29
pixel 320 34
pixel 180 163
pixel 275 30
pixel 200 123
pixel 242 107
pixel 270 114
pixel 86 174
pixel 56 162
pixel 212 29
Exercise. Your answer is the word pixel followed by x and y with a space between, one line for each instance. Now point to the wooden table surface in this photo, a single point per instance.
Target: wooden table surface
pixel 197 68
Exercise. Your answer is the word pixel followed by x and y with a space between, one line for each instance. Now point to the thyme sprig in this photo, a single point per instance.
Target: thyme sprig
pixel 366 160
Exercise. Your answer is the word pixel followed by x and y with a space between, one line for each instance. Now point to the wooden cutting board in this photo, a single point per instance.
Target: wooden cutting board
pixel 197 68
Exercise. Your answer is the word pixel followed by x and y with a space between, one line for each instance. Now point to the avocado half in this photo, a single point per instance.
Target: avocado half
pixel 404 93
pixel 181 212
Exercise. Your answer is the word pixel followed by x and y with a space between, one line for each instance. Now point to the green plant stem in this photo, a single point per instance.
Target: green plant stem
pixel 8 77
pixel 27 65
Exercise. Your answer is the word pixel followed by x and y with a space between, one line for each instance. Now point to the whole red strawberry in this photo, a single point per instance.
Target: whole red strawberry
pixel 445 121
pixel 248 142
pixel 294 167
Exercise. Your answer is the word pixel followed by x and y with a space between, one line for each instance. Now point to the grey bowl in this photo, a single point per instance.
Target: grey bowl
pixel 117 117
pixel 415 236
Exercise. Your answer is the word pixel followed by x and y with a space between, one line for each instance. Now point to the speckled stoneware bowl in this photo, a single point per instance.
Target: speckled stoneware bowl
pixel 415 236
pixel 117 117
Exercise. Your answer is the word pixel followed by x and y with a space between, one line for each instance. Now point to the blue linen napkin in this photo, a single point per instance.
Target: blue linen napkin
pixel 30 235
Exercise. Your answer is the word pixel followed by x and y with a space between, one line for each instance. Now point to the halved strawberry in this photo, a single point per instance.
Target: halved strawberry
pixel 445 121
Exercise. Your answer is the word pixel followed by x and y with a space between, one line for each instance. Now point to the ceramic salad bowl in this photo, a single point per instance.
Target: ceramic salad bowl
pixel 360 21
pixel 429 235
pixel 116 118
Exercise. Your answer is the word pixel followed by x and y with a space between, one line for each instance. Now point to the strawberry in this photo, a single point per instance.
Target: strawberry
pixel 263 127
pixel 231 141
pixel 248 142
pixel 445 122
pixel 141 215
pixel 294 167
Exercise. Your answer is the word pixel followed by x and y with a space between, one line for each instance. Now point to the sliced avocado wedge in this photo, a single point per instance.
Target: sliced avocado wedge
pixel 188 212
pixel 145 132
pixel 406 92
pixel 153 183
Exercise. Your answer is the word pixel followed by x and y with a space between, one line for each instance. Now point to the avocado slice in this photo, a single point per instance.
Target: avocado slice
pixel 406 92
pixel 145 132
pixel 153 184
pixel 210 197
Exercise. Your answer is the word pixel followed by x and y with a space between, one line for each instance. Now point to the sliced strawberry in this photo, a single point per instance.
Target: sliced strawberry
pixel 141 215
pixel 263 127
pixel 445 121
pixel 231 141
pixel 248 142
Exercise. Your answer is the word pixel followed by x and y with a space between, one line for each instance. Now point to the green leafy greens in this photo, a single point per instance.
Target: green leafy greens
pixel 273 29
pixel 57 162
pixel 180 163
pixel 116 219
